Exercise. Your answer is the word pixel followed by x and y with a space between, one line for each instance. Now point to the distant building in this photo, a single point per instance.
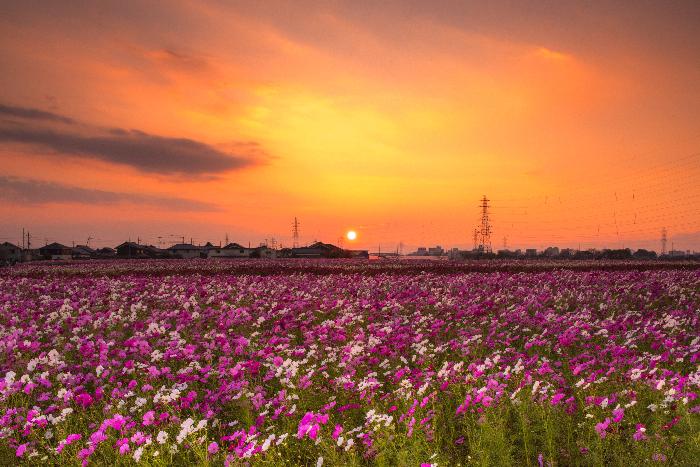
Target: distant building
pixel 436 251
pixel 106 252
pixel 134 250
pixel 676 254
pixel 263 252
pixel 10 253
pixel 232 250
pixel 56 251
pixel 319 250
pixel 361 254
pixel 531 252
pixel 82 252
pixel 186 250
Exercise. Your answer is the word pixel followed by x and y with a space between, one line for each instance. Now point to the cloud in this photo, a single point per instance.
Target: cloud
pixel 37 192
pixel 32 114
pixel 134 148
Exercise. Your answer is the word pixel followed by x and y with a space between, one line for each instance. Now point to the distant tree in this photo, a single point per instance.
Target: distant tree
pixel 625 253
pixel 582 255
pixel 644 254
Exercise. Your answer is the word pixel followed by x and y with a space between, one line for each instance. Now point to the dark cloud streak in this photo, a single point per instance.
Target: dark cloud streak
pixel 35 192
pixel 32 114
pixel 134 148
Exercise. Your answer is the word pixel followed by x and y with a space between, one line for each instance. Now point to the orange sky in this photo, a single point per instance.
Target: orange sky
pixel 138 119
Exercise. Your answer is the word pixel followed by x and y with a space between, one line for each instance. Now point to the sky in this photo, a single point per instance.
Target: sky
pixel 208 120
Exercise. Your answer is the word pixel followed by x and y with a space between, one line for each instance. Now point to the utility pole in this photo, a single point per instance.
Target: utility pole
pixel 485 230
pixel 664 239
pixel 22 238
pixel 476 239
pixel 226 238
pixel 295 233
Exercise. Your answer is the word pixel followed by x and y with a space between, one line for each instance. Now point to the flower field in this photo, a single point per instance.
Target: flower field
pixel 311 363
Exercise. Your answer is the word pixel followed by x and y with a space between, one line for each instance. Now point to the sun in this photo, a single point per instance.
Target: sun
pixel 352 235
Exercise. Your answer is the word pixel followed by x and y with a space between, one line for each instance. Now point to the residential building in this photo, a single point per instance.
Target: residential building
pixel 82 252
pixel 232 250
pixel 186 250
pixel 10 253
pixel 134 250
pixel 56 251
pixel 318 250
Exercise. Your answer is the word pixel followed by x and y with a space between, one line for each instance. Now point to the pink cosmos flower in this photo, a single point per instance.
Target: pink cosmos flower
pixel 556 398
pixel 21 449
pixel 213 448
pixel 148 418
pixel 618 414
pixel 601 428
pixel 310 424
pixel 97 437
pixel 639 434
pixel 84 399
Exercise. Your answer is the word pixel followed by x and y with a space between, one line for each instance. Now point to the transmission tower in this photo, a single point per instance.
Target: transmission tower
pixel 664 239
pixel 476 239
pixel 485 230
pixel 295 233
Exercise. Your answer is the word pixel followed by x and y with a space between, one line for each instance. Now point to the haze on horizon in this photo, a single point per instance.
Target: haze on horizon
pixel 580 121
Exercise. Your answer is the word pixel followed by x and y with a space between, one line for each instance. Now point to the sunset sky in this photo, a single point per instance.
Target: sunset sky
pixel 579 120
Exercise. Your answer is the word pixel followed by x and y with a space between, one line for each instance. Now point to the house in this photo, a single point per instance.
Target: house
pixel 232 250
pixel 363 254
pixel 263 252
pixel 106 252
pixel 83 252
pixel 319 250
pixel 207 248
pixel 186 250
pixel 134 250
pixel 131 250
pixel 56 251
pixel 10 253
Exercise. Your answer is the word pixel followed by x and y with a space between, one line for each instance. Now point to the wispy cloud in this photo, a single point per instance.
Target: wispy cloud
pixel 32 114
pixel 36 192
pixel 142 151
